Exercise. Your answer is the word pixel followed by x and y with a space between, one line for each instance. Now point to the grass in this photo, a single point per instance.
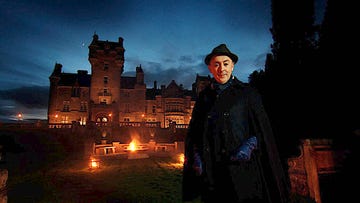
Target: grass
pixel 154 179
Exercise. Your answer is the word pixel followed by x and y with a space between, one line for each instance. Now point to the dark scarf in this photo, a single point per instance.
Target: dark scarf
pixel 219 88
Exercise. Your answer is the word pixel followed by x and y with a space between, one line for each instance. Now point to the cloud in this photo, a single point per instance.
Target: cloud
pixel 187 59
pixel 183 70
pixel 31 101
pixel 7 108
pixel 29 97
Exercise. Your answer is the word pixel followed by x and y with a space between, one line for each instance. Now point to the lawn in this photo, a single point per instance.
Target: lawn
pixel 119 179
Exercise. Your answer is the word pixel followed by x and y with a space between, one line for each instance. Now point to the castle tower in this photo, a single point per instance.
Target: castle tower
pixel 54 80
pixel 107 65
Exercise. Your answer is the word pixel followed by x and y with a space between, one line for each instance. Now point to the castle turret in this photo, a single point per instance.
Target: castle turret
pixel 54 80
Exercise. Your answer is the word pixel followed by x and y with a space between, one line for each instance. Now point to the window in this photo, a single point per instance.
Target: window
pixel 83 106
pixel 75 92
pixel 106 80
pixel 66 106
pixel 106 66
pixel 64 119
pixel 82 120
pixel 154 109
pixel 101 119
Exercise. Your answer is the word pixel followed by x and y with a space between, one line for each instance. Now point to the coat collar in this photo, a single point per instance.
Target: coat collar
pixel 233 82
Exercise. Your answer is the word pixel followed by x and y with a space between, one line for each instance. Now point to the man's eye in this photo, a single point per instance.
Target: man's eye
pixel 226 64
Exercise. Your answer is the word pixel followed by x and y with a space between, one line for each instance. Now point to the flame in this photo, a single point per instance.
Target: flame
pixel 94 163
pixel 181 158
pixel 132 146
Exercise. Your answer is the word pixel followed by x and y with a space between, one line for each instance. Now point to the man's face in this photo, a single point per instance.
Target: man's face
pixel 221 67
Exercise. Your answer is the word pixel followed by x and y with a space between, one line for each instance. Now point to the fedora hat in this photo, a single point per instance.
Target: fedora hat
pixel 220 51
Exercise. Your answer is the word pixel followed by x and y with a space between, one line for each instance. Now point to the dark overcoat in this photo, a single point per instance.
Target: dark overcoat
pixel 220 123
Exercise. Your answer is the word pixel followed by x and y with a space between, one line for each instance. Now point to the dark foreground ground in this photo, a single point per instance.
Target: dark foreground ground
pixel 119 179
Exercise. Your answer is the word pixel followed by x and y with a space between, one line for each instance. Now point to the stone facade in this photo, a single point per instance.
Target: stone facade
pixel 107 98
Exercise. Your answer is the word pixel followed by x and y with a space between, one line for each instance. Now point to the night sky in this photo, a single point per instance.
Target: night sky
pixel 168 38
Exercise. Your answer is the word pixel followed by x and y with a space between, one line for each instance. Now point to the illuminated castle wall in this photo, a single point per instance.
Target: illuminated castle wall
pixel 105 97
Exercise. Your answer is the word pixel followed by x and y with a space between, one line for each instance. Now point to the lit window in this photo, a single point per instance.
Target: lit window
pixel 64 119
pixel 82 120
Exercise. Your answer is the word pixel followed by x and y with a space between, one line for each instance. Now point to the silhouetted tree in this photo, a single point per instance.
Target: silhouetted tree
pixel 287 82
pixel 310 84
pixel 338 60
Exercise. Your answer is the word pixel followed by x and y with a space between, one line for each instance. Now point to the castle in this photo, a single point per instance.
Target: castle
pixel 107 98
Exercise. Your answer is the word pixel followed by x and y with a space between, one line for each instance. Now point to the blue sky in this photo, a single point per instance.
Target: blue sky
pixel 169 38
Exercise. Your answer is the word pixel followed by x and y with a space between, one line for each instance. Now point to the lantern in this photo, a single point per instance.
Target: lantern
pixel 94 163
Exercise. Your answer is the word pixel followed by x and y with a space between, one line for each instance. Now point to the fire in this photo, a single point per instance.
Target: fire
pixel 177 164
pixel 94 163
pixel 132 146
pixel 181 158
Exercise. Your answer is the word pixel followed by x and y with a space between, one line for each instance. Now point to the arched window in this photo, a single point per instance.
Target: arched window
pixel 102 120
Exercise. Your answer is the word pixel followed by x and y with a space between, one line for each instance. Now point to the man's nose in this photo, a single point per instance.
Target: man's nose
pixel 221 67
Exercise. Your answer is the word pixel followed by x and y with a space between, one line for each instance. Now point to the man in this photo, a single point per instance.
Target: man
pixel 230 153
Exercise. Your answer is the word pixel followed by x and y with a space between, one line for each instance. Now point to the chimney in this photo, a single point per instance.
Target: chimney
pixel 121 40
pixel 139 75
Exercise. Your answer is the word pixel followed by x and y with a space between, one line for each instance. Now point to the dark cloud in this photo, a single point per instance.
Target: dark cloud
pixel 7 108
pixel 183 72
pixel 29 97
pixel 169 60
pixel 187 59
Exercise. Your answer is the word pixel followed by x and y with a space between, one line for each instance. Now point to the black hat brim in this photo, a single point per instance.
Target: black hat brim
pixel 233 57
